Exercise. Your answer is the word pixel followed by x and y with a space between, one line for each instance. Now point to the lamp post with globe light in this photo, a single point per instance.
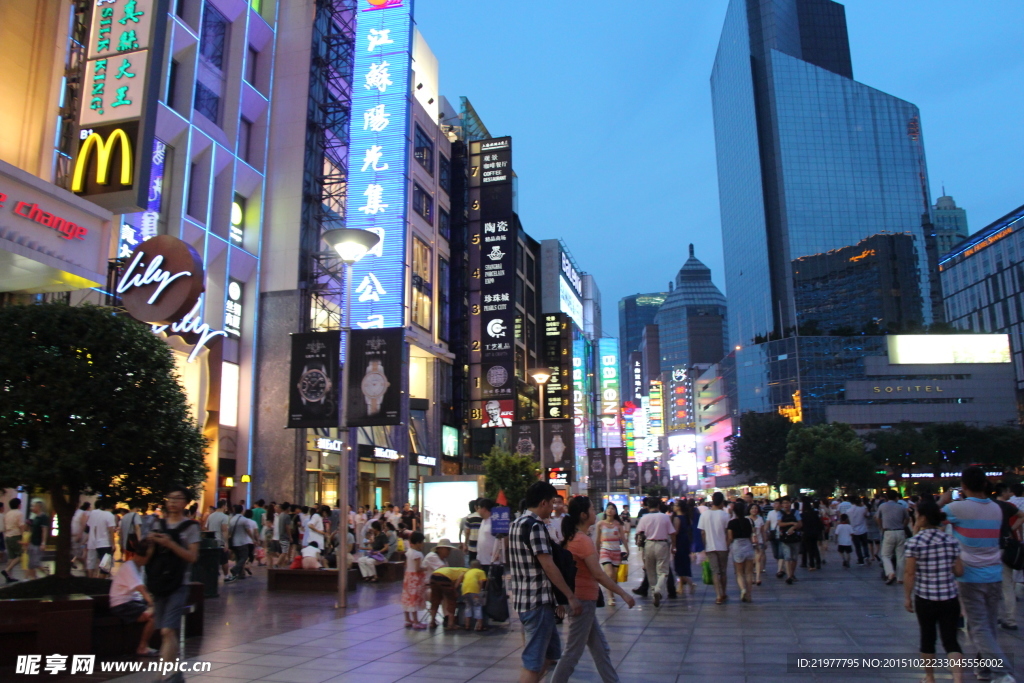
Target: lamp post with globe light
pixel 541 377
pixel 351 245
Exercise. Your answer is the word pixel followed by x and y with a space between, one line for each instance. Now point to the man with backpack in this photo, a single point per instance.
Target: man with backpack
pixel 168 572
pixel 533 578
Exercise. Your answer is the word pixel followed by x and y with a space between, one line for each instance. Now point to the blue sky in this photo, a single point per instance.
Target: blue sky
pixel 609 107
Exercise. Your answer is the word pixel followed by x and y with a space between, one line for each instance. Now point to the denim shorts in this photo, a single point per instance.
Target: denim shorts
pixel 542 641
pixel 790 551
pixel 167 610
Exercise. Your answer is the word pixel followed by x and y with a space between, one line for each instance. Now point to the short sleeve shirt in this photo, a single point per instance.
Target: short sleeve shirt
pixel 38 523
pixel 976 524
pixel 126 580
pixel 13 520
pixel 713 524
pixel 582 546
pixel 935 553
pixel 530 586
pixel 741 528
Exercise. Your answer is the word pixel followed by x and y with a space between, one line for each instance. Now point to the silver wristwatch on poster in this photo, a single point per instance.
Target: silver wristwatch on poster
pixel 374 385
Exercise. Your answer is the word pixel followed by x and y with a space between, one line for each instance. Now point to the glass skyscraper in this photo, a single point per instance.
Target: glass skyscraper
pixel 811 166
pixel 636 311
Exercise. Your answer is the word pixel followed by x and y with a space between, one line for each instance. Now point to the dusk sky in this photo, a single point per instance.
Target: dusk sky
pixel 609 107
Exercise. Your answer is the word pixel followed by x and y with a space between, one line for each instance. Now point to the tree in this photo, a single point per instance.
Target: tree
pixel 822 457
pixel 760 446
pixel 90 403
pixel 902 448
pixel 509 472
pixel 957 444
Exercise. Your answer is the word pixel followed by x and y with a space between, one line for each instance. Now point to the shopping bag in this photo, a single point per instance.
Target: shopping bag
pixel 496 605
pixel 705 573
pixel 623 573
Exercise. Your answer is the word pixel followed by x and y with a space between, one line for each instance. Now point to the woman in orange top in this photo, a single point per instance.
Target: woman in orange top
pixel 584 630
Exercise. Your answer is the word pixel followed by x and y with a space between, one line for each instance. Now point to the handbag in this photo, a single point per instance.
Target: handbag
pixel 1013 554
pixel 496 603
pixel 705 573
pixel 623 576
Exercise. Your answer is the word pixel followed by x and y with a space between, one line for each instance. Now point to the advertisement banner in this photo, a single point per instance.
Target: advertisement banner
pixel 597 468
pixel 559 447
pixel 313 390
pixel 498 413
pixel 501 520
pixel 648 474
pixel 617 468
pixel 375 377
pixel 633 474
pixel 526 439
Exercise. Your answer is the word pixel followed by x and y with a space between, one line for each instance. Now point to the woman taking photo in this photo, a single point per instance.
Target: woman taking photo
pixel 611 536
pixel 933 559
pixel 681 562
pixel 584 630
pixel 758 540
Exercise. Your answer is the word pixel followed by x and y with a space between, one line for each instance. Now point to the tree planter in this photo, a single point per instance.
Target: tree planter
pixel 46 626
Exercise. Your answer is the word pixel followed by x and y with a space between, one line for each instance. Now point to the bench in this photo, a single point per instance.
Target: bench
pixel 112 637
pixel 45 626
pixel 308 580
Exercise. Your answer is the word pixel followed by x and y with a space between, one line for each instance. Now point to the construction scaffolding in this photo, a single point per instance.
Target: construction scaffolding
pixel 325 174
pixel 67 135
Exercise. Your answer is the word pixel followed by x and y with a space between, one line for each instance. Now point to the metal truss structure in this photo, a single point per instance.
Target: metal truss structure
pixel 67 138
pixel 325 174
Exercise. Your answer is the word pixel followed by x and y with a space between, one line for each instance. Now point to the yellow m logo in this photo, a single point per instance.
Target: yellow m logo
pixel 104 149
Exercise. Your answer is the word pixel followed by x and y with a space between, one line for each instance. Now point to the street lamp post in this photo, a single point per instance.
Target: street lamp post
pixel 541 377
pixel 351 245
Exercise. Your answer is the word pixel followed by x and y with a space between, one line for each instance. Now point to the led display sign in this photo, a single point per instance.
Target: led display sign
pixel 233 309
pixel 610 394
pixel 569 303
pixel 921 349
pixel 378 161
pixel 449 441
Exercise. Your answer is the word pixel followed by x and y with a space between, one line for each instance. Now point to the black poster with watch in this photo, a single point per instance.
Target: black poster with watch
pixel 375 377
pixel 314 380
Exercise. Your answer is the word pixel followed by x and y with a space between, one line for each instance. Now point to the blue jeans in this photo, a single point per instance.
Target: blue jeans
pixel 542 641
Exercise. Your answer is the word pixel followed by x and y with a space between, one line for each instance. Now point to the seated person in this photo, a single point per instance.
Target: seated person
pixel 129 599
pixel 311 557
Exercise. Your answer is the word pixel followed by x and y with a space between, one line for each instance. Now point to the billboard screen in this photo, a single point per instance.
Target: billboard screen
pixel 948 348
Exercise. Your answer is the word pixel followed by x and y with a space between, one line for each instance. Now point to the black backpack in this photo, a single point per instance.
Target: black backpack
pixel 563 560
pixel 165 572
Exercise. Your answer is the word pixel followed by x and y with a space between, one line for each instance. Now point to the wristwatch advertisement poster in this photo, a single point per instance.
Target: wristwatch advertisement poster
pixel 559 447
pixel 526 438
pixel 314 381
pixel 597 466
pixel 633 472
pixel 618 458
pixel 375 377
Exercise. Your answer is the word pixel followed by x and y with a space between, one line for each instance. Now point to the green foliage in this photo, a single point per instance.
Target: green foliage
pixel 947 446
pixel 760 447
pixel 509 472
pixel 901 447
pixel 90 403
pixel 823 457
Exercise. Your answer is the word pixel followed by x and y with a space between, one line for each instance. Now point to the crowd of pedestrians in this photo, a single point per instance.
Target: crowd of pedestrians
pixel 562 560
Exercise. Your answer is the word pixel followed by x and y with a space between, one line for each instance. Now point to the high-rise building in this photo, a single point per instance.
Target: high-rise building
pixel 950 222
pixel 636 311
pixel 983 285
pixel 810 161
pixel 691 321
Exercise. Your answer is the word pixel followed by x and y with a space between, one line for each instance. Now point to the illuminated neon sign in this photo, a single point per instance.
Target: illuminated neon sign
pixel 378 160
pixel 104 150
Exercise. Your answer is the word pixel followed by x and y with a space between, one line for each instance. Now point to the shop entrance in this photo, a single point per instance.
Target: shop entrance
pixel 374 484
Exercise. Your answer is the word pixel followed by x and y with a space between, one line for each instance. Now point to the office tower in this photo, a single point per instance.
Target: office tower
pixel 950 223
pixel 636 311
pixel 810 161
pixel 691 321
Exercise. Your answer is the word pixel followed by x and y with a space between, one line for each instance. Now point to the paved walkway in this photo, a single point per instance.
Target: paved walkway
pixel 253 635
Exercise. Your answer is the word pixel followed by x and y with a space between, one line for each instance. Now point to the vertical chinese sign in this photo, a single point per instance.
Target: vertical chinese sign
pixel 492 262
pixel 378 159
pixel 118 103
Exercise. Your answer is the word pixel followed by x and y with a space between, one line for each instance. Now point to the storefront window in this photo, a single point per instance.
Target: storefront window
pixel 422 292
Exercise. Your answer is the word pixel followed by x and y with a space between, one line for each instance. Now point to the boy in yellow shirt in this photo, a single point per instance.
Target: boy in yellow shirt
pixel 472 585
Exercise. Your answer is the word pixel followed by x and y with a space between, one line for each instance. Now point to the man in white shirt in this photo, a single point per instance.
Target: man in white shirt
pixel 13 527
pixel 78 523
pixel 101 537
pixel 488 548
pixel 858 515
pixel 712 525
pixel 554 522
pixel 772 519
pixel 242 534
pixel 314 529
pixel 217 522
pixel 659 542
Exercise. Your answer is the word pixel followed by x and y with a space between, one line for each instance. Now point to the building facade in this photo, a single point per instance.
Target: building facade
pixel 636 311
pixel 983 283
pixel 950 222
pixel 692 320
pixel 810 161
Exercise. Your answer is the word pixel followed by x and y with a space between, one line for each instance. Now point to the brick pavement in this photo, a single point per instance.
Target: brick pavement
pixel 253 635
